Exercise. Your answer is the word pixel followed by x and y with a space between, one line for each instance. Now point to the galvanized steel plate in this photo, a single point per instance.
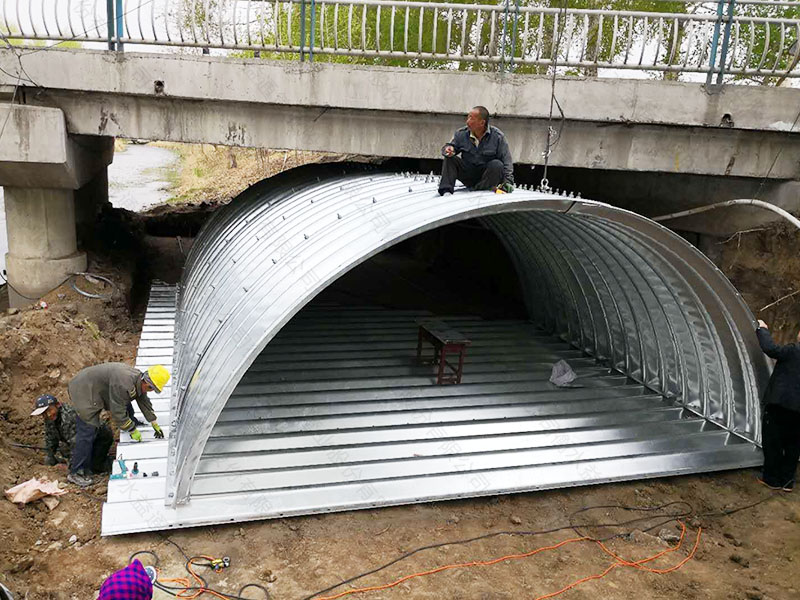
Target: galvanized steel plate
pixel 615 284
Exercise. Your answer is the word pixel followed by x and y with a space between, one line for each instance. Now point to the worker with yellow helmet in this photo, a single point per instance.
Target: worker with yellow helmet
pixel 110 386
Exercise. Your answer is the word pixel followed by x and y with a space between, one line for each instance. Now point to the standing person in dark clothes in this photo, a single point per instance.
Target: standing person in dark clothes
pixel 111 387
pixel 478 156
pixel 780 430
pixel 60 424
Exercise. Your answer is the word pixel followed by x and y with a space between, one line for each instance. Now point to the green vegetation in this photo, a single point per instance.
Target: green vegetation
pixel 384 39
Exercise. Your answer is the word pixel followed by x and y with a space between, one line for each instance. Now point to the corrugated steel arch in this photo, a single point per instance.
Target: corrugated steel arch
pixel 620 287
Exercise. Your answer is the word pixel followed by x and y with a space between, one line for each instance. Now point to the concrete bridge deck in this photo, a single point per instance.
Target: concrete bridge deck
pixel 650 146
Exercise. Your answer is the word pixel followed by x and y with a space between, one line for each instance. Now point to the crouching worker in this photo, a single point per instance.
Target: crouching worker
pixel 478 156
pixel 60 423
pixel 109 386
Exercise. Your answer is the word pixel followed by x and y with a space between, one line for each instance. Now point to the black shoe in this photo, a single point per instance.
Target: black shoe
pixel 772 487
pixel 443 191
pixel 80 480
pixel 788 487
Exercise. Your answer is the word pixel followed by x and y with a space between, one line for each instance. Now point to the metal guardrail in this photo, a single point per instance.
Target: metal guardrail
pixel 744 38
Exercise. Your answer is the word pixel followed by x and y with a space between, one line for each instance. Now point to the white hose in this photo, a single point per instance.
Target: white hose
pixel 741 202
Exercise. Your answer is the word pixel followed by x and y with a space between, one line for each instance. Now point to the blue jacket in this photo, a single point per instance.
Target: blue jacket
pixel 493 145
pixel 784 385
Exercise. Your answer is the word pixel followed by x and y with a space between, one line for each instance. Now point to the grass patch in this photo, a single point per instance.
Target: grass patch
pixel 209 173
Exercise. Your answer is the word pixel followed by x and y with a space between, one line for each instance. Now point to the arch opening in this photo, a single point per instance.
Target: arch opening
pixel 672 376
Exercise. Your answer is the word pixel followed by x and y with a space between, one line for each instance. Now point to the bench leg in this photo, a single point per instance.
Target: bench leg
pixel 460 364
pixel 442 362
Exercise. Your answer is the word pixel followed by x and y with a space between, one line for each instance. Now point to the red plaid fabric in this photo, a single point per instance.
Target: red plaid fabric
pixel 130 583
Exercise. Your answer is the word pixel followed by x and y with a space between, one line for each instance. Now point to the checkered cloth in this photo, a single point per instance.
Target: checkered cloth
pixel 130 583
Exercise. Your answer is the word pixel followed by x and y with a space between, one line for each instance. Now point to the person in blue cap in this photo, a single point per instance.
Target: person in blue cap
pixel 60 422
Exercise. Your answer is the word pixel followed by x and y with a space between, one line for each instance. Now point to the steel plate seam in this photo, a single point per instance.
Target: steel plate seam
pixel 734 349
pixel 653 308
pixel 326 228
pixel 601 248
pixel 521 242
pixel 409 210
pixel 576 279
pixel 728 309
pixel 623 244
pixel 701 328
pixel 603 345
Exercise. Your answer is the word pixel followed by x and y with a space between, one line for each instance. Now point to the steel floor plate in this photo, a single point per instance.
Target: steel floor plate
pixel 337 415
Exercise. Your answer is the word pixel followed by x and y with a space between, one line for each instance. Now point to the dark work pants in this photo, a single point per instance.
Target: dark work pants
pixel 82 450
pixel 102 444
pixel 475 178
pixel 780 439
pixel 90 453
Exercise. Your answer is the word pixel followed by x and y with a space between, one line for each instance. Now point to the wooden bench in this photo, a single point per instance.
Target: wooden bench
pixel 445 340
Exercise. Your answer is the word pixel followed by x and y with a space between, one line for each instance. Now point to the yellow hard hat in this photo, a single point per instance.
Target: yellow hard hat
pixel 158 376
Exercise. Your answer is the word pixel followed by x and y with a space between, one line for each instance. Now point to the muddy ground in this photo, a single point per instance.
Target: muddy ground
pixel 751 554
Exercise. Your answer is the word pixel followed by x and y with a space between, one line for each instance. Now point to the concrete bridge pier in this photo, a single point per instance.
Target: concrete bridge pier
pixel 41 167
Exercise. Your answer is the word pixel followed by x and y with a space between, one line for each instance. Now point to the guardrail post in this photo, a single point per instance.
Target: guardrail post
pixel 119 16
pixel 503 37
pixel 514 36
pixel 110 23
pixel 302 29
pixel 313 31
pixel 726 38
pixel 712 59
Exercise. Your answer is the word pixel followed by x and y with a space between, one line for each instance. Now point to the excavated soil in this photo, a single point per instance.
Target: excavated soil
pixel 764 265
pixel 750 554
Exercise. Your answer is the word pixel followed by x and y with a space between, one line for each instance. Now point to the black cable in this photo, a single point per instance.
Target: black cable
pixel 166 539
pixel 775 160
pixel 257 586
pixel 16 291
pixel 552 141
pixel 137 553
pixel 193 561
pixel 6 282
pixel 571 526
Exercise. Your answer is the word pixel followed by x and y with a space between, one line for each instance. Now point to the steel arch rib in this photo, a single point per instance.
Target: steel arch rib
pixel 261 259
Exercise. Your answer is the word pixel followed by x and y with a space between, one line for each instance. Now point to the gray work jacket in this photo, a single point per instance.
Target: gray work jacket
pixel 493 145
pixel 109 386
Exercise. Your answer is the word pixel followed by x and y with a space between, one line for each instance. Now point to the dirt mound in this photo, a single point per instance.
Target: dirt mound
pixel 764 265
pixel 41 349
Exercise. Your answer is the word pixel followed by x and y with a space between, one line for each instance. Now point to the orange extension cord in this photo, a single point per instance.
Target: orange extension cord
pixel 196 589
pixel 619 562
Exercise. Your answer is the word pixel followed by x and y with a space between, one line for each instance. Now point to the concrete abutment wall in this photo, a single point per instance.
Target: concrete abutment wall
pixel 41 167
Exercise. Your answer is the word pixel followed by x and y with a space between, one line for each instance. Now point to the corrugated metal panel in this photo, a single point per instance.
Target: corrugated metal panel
pixel 155 347
pixel 607 282
pixel 336 414
pixel 264 257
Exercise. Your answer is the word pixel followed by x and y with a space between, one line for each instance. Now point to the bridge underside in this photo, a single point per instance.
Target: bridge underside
pixel 280 407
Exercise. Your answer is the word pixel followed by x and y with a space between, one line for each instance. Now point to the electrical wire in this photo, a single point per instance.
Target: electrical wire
pixel 16 291
pixel 196 586
pixel 553 136
pixel 689 512
pixel 620 562
pixel 775 160
pixel 668 512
